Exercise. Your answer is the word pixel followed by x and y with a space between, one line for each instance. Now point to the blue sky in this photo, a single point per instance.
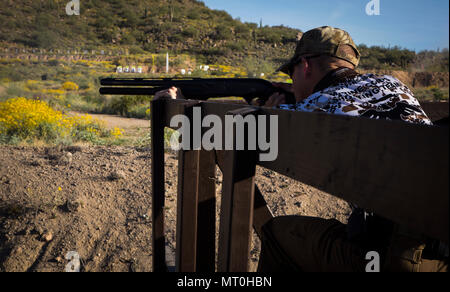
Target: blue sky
pixel 413 24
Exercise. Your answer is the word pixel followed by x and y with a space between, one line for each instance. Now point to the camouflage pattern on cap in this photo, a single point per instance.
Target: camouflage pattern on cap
pixel 324 40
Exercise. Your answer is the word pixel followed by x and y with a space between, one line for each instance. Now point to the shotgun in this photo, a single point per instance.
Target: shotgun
pixel 196 88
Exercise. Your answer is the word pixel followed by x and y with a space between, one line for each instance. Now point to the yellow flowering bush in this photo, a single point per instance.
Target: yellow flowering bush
pixel 432 87
pixel 23 117
pixel 27 119
pixel 117 132
pixel 227 71
pixel 70 86
pixel 54 91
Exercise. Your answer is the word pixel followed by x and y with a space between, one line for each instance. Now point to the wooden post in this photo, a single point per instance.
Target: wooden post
pixel 187 205
pixel 157 135
pixel 206 224
pixel 196 216
pixel 261 211
pixel 236 218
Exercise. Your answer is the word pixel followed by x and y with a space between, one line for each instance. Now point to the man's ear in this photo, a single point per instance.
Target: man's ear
pixel 307 69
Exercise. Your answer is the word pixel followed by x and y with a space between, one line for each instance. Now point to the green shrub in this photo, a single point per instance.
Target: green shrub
pixel 193 14
pixel 53 63
pixel 128 39
pixel 123 105
pixel 45 38
pixel 190 32
pixel 222 32
pixel 255 66
pixel 135 50
pixel 176 38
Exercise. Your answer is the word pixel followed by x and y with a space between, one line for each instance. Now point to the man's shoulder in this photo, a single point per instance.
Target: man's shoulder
pixel 368 78
pixel 365 85
pixel 379 78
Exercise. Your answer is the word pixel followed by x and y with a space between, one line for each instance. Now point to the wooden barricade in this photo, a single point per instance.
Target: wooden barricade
pixel 395 169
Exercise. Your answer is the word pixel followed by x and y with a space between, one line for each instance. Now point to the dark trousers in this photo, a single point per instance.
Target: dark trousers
pixel 305 244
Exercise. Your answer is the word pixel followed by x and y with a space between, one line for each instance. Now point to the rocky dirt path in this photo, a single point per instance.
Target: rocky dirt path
pixel 121 122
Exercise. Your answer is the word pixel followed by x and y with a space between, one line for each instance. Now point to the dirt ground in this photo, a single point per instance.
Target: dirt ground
pixel 96 201
pixel 128 124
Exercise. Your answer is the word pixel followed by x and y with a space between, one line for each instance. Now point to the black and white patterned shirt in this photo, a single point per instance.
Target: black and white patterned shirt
pixel 369 95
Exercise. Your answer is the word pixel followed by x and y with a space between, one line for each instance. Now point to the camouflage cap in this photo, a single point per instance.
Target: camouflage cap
pixel 324 40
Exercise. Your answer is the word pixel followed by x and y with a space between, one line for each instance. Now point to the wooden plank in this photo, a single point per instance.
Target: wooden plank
pixel 187 200
pixel 158 237
pixel 226 214
pixel 236 212
pixel 395 169
pixel 261 211
pixel 206 230
pixel 187 205
pixel 236 218
pixel 177 107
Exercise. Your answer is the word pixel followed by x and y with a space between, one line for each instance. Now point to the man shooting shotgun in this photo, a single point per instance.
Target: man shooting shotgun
pixel 325 80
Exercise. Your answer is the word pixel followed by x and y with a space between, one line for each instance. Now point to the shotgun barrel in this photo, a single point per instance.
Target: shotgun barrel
pixel 196 88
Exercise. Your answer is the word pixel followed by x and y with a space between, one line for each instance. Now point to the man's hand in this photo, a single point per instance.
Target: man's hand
pixel 278 98
pixel 275 100
pixel 171 93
